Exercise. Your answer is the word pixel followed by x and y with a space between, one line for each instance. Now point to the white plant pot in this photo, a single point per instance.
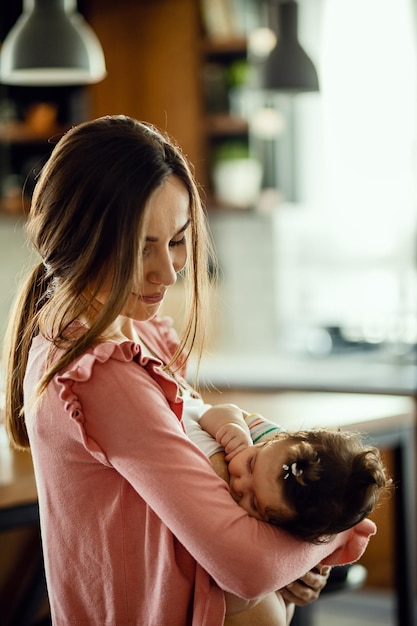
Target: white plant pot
pixel 238 182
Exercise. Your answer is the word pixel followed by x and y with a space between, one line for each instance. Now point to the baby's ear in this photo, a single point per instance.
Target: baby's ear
pixel 356 543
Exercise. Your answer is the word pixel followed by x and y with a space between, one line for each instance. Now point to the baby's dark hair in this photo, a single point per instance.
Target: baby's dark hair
pixel 332 481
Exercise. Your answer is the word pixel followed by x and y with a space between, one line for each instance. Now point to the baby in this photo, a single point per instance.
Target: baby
pixel 314 483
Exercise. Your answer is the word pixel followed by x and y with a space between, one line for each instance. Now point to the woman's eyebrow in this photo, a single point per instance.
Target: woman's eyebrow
pixel 186 225
pixel 181 230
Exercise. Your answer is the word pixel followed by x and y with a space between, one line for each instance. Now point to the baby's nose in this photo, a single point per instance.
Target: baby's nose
pixel 240 486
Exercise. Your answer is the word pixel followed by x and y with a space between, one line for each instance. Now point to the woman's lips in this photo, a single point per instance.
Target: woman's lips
pixel 155 298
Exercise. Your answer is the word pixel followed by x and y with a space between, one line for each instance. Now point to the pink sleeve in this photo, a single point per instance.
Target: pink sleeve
pixel 127 415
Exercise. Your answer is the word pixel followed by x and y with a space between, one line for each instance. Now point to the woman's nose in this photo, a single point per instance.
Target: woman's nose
pixel 163 271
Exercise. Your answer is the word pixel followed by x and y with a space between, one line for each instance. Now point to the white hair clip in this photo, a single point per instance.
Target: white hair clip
pixel 295 471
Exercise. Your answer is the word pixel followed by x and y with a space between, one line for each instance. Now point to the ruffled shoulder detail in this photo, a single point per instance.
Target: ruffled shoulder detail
pixel 81 370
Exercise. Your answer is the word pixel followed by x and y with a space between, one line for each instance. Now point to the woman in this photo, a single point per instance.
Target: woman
pixel 95 387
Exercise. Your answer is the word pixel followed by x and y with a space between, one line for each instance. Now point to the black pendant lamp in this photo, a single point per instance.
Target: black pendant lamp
pixel 288 68
pixel 51 44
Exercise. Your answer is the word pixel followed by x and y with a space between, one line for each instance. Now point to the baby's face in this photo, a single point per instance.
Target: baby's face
pixel 256 479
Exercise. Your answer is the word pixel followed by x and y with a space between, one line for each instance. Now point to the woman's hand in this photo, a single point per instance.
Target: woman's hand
pixel 306 589
pixel 277 609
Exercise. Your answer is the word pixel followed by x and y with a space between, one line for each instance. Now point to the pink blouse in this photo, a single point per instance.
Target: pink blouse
pixel 137 529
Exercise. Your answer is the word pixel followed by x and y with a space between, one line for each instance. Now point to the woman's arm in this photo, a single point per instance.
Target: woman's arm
pixel 218 463
pixel 125 415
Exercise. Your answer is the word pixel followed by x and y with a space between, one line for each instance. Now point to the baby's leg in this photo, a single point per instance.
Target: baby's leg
pixel 270 611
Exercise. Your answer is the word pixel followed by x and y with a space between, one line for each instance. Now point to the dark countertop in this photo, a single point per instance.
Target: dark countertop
pixel 354 373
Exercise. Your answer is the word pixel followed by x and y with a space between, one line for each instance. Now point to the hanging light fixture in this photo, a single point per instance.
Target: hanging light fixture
pixel 51 44
pixel 288 68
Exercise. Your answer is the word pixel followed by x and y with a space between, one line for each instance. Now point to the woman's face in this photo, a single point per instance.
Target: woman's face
pixel 256 479
pixel 164 251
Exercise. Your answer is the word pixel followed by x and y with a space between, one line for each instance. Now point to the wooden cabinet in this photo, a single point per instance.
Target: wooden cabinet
pixel 24 147
pixel 157 54
pixel 158 58
pixel 223 68
pixel 153 63
pixel 31 119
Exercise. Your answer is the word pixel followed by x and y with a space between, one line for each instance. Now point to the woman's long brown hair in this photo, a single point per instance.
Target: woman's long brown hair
pixel 86 221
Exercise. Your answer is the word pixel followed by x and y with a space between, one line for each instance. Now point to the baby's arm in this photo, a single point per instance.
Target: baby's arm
pixel 226 423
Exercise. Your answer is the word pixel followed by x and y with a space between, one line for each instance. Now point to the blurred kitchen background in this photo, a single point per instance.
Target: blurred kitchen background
pixel 325 263
pixel 311 194
pixel 310 186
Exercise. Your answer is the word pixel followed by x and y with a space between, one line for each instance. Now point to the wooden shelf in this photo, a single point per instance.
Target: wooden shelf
pixel 20 132
pixel 224 45
pixel 213 205
pixel 14 205
pixel 225 125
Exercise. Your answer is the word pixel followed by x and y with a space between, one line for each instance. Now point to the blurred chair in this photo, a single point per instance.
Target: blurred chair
pixel 342 578
pixel 23 595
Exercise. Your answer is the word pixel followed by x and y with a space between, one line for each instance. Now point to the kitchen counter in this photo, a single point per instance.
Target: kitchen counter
pixel 357 373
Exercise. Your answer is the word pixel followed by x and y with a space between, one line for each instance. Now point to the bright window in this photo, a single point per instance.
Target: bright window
pixel 369 112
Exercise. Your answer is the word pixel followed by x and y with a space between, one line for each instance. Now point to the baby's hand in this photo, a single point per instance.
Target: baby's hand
pixel 233 438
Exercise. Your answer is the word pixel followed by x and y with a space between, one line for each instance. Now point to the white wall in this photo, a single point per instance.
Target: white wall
pixel 15 260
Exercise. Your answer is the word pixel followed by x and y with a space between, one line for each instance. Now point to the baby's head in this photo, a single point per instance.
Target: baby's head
pixel 314 483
